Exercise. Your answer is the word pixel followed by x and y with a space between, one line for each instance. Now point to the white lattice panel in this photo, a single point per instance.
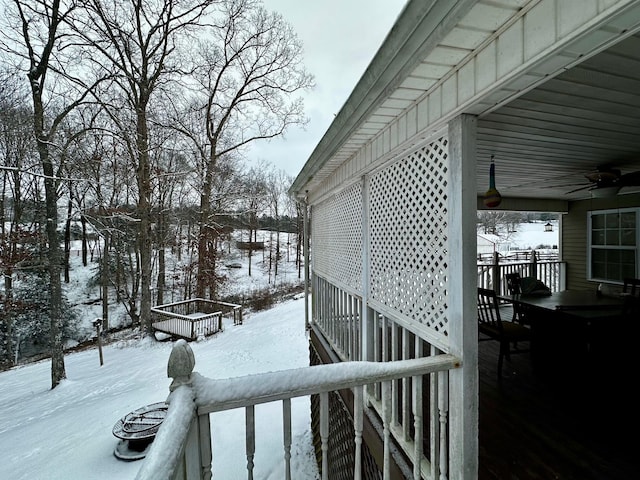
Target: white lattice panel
pixel 408 239
pixel 336 238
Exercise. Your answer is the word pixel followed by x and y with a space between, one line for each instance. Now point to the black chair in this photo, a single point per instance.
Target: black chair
pixel 491 326
pixel 631 286
pixel 514 287
pixel 514 282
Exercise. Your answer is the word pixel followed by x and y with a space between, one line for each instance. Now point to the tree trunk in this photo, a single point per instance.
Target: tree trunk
pixel 104 282
pixel 67 240
pixel 270 255
pixel 83 221
pixel 8 317
pixel 161 276
pixel 58 372
pixel 144 214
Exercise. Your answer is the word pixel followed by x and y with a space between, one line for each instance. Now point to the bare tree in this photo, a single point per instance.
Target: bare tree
pixel 277 186
pixel 37 43
pixel 248 69
pixel 138 45
pixel 500 222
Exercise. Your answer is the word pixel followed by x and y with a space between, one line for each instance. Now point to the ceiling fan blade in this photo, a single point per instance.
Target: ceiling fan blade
pixel 566 185
pixel 578 189
pixel 631 179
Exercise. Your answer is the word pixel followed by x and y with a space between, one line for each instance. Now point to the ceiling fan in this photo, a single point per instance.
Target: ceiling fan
pixel 607 181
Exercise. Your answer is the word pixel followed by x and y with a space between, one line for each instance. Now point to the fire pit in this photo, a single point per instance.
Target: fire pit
pixel 137 429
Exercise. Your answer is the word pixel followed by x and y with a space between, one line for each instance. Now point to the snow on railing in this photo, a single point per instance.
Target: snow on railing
pixel 183 450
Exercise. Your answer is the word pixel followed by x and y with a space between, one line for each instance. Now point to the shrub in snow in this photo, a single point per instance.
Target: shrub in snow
pixel 31 321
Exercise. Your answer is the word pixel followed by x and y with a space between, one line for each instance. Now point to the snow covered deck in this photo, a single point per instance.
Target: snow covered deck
pixel 194 318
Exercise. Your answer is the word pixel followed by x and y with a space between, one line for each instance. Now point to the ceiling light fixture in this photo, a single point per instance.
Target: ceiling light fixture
pixel 605 192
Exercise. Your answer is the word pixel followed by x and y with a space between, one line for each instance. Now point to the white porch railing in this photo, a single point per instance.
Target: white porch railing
pixel 182 449
pixel 338 316
pixel 551 273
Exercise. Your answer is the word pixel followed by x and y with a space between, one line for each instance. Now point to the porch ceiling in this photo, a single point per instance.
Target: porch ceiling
pixel 545 133
pixel 547 139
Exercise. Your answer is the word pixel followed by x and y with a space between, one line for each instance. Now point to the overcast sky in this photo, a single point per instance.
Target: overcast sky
pixel 340 38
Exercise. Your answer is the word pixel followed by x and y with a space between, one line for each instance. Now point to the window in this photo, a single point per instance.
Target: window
pixel 613 244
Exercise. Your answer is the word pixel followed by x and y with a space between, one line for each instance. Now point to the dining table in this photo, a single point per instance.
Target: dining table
pixel 585 304
pixel 571 328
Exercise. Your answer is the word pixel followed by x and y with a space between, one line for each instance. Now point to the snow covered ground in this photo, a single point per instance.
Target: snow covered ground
pixel 532 235
pixel 66 433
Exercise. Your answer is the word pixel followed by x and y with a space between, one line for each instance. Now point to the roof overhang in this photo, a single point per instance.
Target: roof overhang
pixel 577 106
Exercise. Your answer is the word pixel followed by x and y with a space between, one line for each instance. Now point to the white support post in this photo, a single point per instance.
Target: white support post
pixel 365 325
pixel 305 250
pixel 462 301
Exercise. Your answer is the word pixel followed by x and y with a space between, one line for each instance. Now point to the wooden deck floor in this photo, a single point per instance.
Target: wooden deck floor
pixel 535 427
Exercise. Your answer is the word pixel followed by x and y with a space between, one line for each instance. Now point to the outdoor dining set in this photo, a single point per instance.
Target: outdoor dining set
pixel 580 329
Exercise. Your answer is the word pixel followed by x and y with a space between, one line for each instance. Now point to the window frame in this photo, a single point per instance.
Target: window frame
pixel 617 247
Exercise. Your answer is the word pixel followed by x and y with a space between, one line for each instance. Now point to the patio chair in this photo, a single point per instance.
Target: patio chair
pixel 514 282
pixel 632 286
pixel 491 327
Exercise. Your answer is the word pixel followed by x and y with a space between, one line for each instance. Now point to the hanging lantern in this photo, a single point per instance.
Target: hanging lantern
pixel 492 198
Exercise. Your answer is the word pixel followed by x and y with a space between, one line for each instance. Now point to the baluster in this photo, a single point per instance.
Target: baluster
pixel 395 385
pixel 324 433
pixel 357 426
pixel 343 322
pixel 286 426
pixel 386 433
pixel 406 405
pixel 334 313
pixel 206 456
pixel 417 384
pixel 417 425
pixel 357 347
pixel 443 407
pixel 349 327
pixel 250 433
